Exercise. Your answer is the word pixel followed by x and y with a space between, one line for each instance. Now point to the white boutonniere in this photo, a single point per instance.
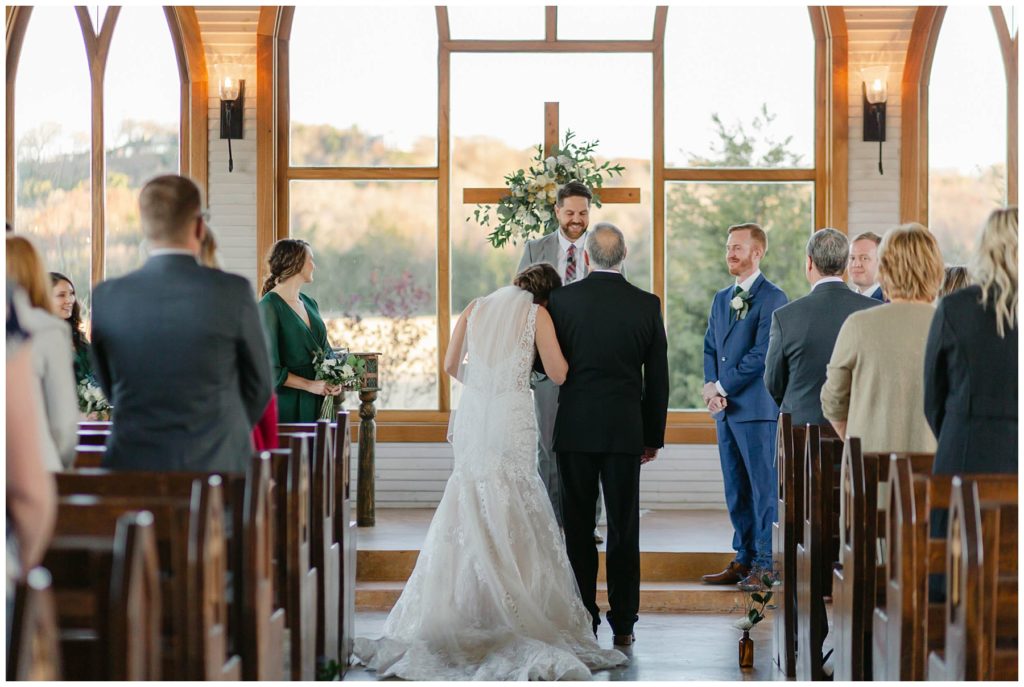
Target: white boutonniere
pixel 740 304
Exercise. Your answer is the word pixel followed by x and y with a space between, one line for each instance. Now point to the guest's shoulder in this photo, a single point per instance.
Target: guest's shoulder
pixel 967 298
pixel 39 322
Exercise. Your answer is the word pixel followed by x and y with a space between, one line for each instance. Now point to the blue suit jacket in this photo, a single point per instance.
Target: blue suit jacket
pixel 735 350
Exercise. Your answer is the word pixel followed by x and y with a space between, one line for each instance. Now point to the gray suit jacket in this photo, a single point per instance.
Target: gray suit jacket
pixel 803 334
pixel 544 249
pixel 179 350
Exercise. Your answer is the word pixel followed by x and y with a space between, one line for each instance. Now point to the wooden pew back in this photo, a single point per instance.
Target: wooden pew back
pixel 789 451
pixel 33 647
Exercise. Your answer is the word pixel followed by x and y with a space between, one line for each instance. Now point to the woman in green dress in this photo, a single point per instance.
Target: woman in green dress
pixel 295 332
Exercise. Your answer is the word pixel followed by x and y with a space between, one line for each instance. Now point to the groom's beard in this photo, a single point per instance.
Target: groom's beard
pixel 573 227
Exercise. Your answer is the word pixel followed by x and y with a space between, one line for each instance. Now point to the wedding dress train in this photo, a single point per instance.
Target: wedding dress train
pixel 492 596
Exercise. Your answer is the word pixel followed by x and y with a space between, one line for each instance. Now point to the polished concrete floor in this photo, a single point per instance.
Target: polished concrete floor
pixel 669 647
pixel 660 530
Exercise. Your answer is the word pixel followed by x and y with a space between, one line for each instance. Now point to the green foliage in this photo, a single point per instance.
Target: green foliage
pixel 698 215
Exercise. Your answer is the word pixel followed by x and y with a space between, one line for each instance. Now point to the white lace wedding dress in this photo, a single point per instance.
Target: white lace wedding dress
pixel 492 596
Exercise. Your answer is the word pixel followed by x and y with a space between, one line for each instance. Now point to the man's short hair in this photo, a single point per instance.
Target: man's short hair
pixel 606 246
pixel 756 233
pixel 867 236
pixel 166 206
pixel 573 188
pixel 829 251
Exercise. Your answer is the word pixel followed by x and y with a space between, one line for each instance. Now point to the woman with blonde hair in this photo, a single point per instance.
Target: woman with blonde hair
pixel 874 389
pixel 52 354
pixel 970 369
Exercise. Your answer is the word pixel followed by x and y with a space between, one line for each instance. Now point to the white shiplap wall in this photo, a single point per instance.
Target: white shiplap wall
pixel 414 475
pixel 877 35
pixel 229 35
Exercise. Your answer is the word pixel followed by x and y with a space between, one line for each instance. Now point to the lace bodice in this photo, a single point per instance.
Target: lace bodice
pixel 504 374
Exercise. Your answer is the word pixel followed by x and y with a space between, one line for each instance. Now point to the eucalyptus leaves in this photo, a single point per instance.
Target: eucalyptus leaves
pixel 529 208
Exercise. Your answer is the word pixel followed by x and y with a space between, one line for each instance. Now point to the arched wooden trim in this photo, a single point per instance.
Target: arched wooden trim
pixel 97 47
pixel 273 31
pixel 17 22
pixel 914 137
pixel 194 119
pixel 1008 47
pixel 831 117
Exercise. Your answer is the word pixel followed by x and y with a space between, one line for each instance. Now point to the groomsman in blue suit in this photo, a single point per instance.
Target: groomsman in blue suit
pixel 735 347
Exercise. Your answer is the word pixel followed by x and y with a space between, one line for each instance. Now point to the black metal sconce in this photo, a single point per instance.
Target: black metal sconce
pixel 875 93
pixel 232 110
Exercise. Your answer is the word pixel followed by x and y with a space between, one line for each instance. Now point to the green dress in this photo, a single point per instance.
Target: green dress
pixel 292 346
pixel 83 365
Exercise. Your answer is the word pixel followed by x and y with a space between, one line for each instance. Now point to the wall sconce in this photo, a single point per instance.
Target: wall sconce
pixel 232 105
pixel 875 90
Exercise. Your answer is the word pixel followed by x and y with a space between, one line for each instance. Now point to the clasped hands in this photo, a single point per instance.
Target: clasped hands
pixel 714 401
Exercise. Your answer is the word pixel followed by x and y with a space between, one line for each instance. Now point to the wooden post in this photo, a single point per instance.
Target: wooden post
pixel 550 128
pixel 365 506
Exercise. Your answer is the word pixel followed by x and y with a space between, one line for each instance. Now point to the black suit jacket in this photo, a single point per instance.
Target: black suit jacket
pixel 615 398
pixel 179 350
pixel 970 387
pixel 803 334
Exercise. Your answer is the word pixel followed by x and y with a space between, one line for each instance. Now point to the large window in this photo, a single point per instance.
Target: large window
pixel 966 155
pixel 708 130
pixel 60 117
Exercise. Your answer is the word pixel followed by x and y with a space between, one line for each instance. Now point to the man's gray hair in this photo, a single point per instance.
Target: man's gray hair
pixel 829 251
pixel 606 246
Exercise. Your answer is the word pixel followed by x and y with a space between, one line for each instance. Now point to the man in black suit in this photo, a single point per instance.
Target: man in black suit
pixel 611 419
pixel 178 348
pixel 803 333
pixel 864 265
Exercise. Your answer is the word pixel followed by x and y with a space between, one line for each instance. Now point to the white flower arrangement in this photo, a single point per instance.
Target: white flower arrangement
pixel 337 369
pixel 91 400
pixel 529 208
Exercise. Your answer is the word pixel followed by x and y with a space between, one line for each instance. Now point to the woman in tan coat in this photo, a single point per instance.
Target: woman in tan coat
pixel 875 382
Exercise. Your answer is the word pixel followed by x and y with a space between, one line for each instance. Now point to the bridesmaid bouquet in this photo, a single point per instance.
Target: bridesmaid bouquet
pixel 337 369
pixel 91 400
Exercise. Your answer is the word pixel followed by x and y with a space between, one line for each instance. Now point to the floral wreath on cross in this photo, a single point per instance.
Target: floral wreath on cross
pixel 529 208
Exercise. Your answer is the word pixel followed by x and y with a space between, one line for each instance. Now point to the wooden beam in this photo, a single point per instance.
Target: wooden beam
pixel 1008 47
pixel 614 194
pixel 551 23
pixel 660 19
pixel 266 145
pixel 730 174
pixel 443 31
pixel 444 300
pixel 195 90
pixel 282 128
pixel 464 45
pixel 658 285
pixel 364 173
pixel 17 24
pixel 551 131
pixel 838 168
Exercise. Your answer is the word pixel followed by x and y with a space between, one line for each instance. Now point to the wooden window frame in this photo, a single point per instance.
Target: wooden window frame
pixel 917 72
pixel 274 171
pixel 191 60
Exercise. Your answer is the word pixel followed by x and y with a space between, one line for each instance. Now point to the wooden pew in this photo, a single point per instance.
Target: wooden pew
pixel 345 524
pixel 89 456
pixel 33 647
pixel 256 626
pixel 102 425
pixel 789 450
pixel 296 577
pixel 858 577
pixel 981 605
pixel 814 550
pixel 326 550
pixel 107 587
pixel 93 437
pixel 193 560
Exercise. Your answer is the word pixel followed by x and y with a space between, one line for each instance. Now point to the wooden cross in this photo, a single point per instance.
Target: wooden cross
pixel 619 194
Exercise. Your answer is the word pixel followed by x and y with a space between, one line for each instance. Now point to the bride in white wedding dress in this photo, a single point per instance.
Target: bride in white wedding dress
pixel 492 596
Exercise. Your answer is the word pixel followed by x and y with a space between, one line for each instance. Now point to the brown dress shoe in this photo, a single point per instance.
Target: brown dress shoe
pixel 731 575
pixel 624 640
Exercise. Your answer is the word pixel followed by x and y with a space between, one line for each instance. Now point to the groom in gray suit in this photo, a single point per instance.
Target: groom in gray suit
pixel 563 249
pixel 178 348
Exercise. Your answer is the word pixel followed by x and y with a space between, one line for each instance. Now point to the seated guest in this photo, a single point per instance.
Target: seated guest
pixel 863 267
pixel 30 491
pixel 68 308
pixel 874 388
pixel 178 348
pixel 803 332
pixel 955 278
pixel 51 355
pixel 970 369
pixel 295 332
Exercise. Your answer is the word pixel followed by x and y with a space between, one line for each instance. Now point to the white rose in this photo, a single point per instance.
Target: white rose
pixel 543 215
pixel 550 162
pixel 564 161
pixel 736 303
pixel 521 212
pixel 347 371
pixel 743 623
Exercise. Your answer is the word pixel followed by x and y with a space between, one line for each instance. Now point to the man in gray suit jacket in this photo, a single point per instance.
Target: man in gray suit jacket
pixel 804 332
pixel 178 348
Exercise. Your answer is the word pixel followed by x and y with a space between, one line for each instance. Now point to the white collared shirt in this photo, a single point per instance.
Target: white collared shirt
pixel 171 251
pixel 826 280
pixel 865 292
pixel 563 257
pixel 746 285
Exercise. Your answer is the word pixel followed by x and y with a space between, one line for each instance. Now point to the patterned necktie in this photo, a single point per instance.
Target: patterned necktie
pixel 570 264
